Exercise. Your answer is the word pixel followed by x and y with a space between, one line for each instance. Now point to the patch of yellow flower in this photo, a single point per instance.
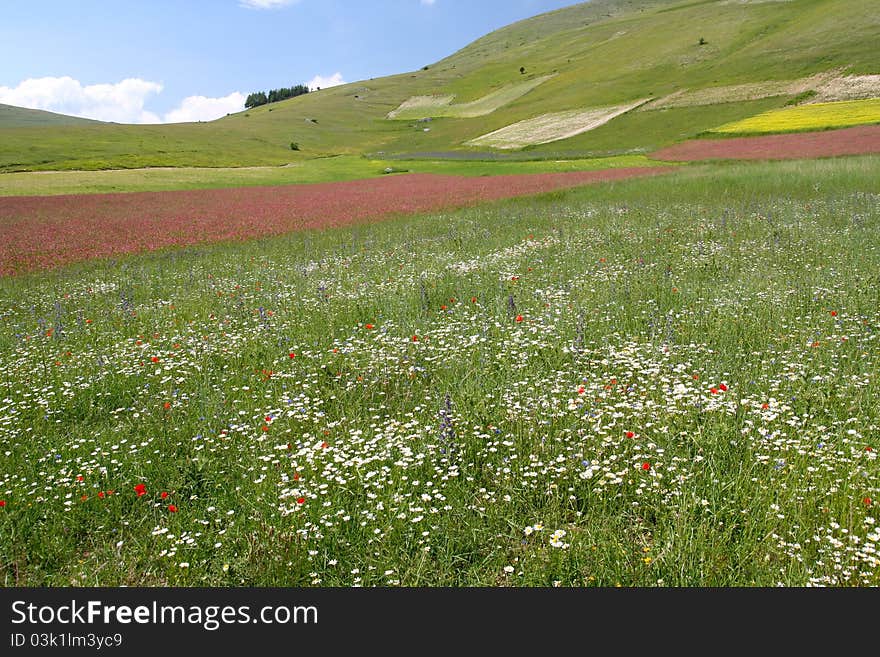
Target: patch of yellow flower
pixel 816 116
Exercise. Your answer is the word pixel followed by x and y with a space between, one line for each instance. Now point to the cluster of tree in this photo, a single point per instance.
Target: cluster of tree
pixel 261 97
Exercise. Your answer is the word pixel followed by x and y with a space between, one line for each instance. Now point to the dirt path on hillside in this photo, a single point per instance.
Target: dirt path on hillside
pixel 859 140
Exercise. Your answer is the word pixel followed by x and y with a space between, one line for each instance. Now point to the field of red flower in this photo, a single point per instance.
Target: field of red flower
pixel 860 140
pixel 43 232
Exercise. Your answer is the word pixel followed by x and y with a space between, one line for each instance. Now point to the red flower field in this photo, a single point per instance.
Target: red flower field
pixel 860 140
pixel 41 232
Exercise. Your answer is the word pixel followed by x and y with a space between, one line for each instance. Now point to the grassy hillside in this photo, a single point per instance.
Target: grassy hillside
pixel 596 54
pixel 20 117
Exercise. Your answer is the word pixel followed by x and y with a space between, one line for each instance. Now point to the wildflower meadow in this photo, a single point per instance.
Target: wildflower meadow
pixel 667 381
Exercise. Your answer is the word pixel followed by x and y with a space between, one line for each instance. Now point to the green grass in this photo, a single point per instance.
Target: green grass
pixel 600 53
pixel 370 457
pixel 19 117
pixel 344 167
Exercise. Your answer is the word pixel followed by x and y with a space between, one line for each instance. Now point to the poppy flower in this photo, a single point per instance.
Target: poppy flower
pixel 369 327
pixel 325 445
pixel 834 313
pixel 172 508
pixel 140 489
pixel 867 501
pixel 300 500
pixel 166 405
pixel 630 434
pixel 101 494
pixel 291 355
pixel 415 338
pixel 722 388
pixel 473 299
pixel 154 359
pixel 646 466
pixel 164 495
pixel 2 503
pixel 714 391
pixel 519 318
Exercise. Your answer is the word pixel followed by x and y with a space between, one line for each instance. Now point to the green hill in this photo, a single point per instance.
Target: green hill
pixel 701 63
pixel 20 117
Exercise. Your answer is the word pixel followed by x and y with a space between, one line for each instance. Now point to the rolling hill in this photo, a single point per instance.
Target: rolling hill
pixel 697 64
pixel 21 117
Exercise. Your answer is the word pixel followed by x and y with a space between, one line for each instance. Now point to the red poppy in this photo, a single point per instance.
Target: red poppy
pixel 172 508
pixel 300 500
pixel 154 359
pixel 2 503
pixel 630 434
pixel 646 466
pixel 765 405
pixel 443 307
pixel 166 405
pixel 473 299
pixel 834 313
pixel 140 489
pixel 325 445
pixel 79 477
pixel 714 391
pixel 867 501
pixel 265 427
pixel 415 338
pixel 723 388
pixel 369 327
pixel 519 318
pixel 296 476
pixel 581 390
pixel 84 498
pixel 164 495
pixel 101 494
pixel 292 355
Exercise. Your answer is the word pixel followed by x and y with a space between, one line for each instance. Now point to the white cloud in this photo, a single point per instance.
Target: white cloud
pixel 122 102
pixel 319 81
pixel 200 108
pixel 265 4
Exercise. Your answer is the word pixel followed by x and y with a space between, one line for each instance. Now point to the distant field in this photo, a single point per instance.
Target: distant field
pixel 43 232
pixel 858 140
pixel 345 167
pixel 816 116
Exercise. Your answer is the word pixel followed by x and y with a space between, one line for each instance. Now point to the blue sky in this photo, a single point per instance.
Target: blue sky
pixel 151 61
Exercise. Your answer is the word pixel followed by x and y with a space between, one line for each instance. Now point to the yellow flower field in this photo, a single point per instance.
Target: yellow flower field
pixel 817 116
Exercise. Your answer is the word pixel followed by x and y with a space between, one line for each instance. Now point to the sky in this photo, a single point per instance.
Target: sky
pixel 165 61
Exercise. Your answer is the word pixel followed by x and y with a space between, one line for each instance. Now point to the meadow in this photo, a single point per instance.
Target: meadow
pixel 666 381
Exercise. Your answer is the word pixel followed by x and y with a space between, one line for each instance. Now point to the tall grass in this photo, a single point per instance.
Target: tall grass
pixel 657 382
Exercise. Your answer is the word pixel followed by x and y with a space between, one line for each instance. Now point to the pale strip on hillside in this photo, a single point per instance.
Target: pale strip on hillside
pixel 552 127
pixel 418 107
